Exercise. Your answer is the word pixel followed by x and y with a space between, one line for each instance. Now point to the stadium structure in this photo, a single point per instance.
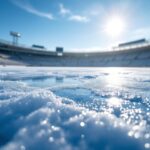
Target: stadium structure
pixel 130 54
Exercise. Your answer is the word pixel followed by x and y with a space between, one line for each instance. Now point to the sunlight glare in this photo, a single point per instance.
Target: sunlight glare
pixel 114 102
pixel 115 26
pixel 114 77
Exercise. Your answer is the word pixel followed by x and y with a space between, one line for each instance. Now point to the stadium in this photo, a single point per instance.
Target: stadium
pixel 130 54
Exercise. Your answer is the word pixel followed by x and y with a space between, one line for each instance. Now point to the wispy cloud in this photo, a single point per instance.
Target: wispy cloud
pixel 64 11
pixel 70 15
pixel 30 9
pixel 78 18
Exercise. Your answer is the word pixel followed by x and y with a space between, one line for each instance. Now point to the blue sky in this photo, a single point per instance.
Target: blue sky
pixel 77 25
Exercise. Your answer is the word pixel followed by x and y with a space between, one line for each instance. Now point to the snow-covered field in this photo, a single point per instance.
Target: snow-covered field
pixel 74 108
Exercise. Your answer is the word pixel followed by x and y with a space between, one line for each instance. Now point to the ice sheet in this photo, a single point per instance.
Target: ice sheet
pixel 74 108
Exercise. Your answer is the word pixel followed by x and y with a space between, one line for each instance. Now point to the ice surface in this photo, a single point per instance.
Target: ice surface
pixel 74 109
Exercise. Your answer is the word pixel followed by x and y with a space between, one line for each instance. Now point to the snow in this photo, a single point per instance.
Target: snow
pixel 74 108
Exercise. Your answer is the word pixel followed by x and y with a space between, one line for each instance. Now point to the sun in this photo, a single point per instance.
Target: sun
pixel 115 26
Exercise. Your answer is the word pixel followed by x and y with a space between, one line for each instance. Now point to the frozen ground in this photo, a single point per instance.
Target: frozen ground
pixel 74 109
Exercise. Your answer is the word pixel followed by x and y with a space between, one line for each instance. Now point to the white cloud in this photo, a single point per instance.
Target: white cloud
pixel 64 11
pixel 78 18
pixel 70 15
pixel 27 7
